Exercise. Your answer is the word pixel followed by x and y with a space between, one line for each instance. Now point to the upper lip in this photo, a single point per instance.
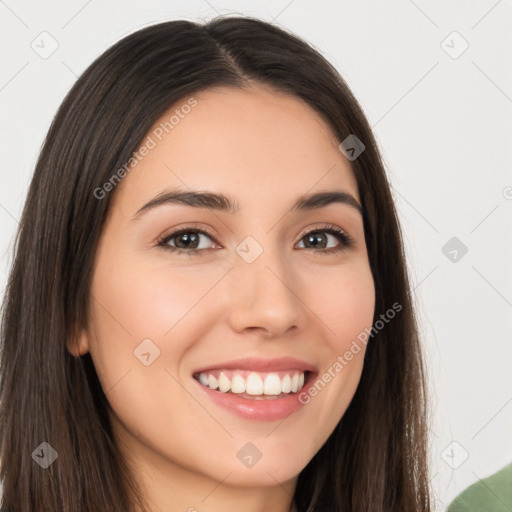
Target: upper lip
pixel 258 364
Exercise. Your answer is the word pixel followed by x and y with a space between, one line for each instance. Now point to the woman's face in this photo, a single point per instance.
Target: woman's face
pixel 268 294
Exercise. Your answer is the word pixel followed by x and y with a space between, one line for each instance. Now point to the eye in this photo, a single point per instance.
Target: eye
pixel 186 241
pixel 319 238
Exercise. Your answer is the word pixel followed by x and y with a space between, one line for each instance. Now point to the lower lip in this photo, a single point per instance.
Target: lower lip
pixel 270 409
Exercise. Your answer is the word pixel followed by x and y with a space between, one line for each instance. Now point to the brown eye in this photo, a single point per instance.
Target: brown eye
pixel 319 239
pixel 187 240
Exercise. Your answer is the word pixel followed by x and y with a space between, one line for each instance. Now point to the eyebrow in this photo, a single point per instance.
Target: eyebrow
pixel 223 203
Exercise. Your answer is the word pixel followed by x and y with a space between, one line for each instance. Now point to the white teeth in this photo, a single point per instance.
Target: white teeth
pixel 272 385
pixel 255 384
pixel 237 384
pixel 286 384
pixel 212 382
pixel 224 383
pixel 294 383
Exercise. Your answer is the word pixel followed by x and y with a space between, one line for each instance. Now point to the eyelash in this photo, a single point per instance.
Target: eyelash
pixel 346 241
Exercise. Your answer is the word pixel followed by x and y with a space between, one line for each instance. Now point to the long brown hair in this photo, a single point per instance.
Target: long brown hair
pixel 376 458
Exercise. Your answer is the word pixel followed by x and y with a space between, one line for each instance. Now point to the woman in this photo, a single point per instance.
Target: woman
pixel 209 306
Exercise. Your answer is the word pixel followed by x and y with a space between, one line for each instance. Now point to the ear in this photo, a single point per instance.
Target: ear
pixel 79 345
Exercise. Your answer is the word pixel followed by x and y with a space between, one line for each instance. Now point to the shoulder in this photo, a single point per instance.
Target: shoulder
pixel 490 494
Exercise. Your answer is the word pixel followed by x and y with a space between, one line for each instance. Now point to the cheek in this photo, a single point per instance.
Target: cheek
pixel 345 302
pixel 149 403
pixel 150 301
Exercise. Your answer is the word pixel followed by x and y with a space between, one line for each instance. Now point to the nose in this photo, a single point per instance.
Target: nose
pixel 264 297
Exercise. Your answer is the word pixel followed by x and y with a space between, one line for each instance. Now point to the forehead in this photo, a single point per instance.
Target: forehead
pixel 246 143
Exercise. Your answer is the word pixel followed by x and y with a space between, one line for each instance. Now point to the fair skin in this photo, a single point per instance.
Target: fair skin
pixel 264 150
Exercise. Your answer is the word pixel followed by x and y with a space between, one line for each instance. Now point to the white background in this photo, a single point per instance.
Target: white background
pixel 443 125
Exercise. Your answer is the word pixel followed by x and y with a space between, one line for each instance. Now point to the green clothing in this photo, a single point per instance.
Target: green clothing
pixel 492 494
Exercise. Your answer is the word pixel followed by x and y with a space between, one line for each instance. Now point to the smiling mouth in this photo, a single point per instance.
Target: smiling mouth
pixel 254 385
